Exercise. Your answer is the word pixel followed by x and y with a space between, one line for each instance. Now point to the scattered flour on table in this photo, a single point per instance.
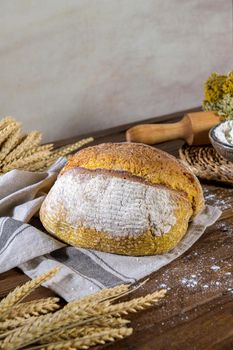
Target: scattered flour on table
pixel 221 197
pixel 200 274
pixel 210 274
pixel 215 267
pixel 189 282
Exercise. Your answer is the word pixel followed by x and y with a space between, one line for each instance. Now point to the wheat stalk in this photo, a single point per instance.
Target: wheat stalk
pixel 37 158
pixel 30 141
pixel 34 308
pixel 19 293
pixel 79 325
pixel 63 151
pixel 23 163
pixel 31 160
pixel 34 150
pixel 107 321
pixel 18 151
pixel 102 295
pixel 123 308
pixel 45 325
pixel 92 326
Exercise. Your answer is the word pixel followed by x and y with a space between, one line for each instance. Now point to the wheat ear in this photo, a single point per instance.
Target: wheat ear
pixel 63 151
pixel 6 121
pixel 24 163
pixel 85 342
pixel 42 326
pixel 12 141
pixel 8 325
pixel 69 318
pixel 39 165
pixel 8 130
pixel 21 292
pixel 106 309
pixel 82 331
pixel 72 333
pixel 32 160
pixel 34 308
pixel 136 304
pixel 34 150
pixel 30 141
pixel 109 321
pixel 102 295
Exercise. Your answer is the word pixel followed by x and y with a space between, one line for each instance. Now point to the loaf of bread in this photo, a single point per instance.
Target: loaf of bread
pixel 123 198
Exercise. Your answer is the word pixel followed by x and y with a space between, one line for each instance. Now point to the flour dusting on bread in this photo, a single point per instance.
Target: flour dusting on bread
pixel 112 204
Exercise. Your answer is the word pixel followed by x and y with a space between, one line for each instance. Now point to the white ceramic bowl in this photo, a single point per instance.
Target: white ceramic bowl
pixel 224 149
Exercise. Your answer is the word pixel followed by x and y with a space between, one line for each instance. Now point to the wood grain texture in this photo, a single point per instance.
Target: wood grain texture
pixel 193 128
pixel 197 312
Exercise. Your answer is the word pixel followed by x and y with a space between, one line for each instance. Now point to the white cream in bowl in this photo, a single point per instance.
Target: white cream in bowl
pixel 224 132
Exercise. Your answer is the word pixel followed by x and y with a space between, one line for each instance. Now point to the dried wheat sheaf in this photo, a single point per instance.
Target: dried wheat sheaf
pixel 24 151
pixel 91 320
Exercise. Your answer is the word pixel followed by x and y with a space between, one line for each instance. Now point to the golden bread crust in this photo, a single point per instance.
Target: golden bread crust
pixel 131 163
pixel 149 163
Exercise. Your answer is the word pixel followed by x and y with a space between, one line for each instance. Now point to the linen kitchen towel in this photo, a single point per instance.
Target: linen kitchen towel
pixel 82 271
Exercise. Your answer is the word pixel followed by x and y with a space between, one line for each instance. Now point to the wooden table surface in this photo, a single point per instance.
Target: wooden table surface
pixel 197 312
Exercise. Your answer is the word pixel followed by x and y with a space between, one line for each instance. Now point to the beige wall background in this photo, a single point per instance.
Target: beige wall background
pixel 69 67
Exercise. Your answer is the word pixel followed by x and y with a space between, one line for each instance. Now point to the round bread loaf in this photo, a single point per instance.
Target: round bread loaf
pixel 123 198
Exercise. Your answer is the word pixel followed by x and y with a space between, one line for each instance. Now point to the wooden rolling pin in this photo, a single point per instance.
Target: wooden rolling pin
pixel 193 128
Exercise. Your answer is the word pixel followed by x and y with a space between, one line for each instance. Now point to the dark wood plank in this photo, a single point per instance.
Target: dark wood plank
pixel 117 134
pixel 197 312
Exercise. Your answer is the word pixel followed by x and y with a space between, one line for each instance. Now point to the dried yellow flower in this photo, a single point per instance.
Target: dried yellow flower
pixel 218 90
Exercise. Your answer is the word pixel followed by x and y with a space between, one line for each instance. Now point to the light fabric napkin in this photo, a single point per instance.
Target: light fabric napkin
pixel 82 271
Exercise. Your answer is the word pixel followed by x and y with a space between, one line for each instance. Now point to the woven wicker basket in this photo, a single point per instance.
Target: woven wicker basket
pixel 207 164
